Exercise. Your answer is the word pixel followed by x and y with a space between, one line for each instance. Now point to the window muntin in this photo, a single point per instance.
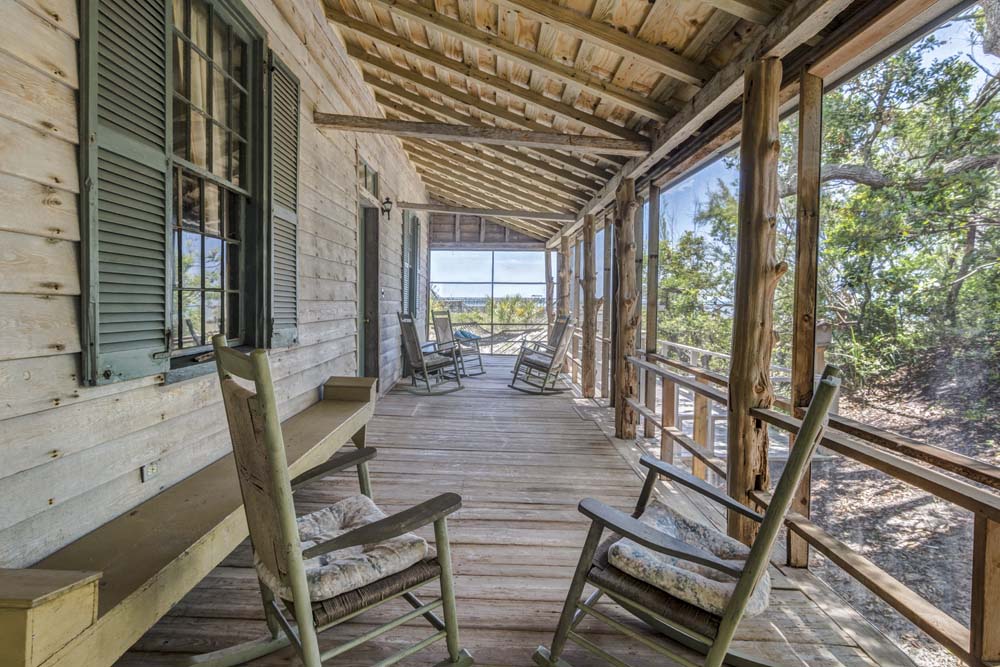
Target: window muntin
pixel 368 179
pixel 210 131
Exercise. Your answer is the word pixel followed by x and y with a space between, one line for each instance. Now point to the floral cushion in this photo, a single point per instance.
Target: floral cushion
pixel 332 574
pixel 695 584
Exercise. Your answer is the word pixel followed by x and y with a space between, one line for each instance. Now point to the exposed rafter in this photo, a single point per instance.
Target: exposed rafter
pixel 482 135
pixel 499 84
pixel 486 212
pixel 607 37
pixel 529 58
pixel 757 11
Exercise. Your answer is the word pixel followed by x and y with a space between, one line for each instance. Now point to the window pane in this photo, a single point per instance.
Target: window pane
pixel 234 211
pixel 214 196
pixel 220 41
pixel 508 338
pixel 191 203
pixel 180 62
pixel 238 56
pixel 213 314
pixel 199 139
pixel 180 128
pixel 519 304
pixel 460 266
pixel 190 319
pixel 237 147
pixel 179 15
pixel 467 303
pixel 199 24
pixel 232 266
pixel 199 81
pixel 519 267
pixel 220 151
pixel 190 259
pixel 233 315
pixel 213 263
pixel 218 95
pixel 236 106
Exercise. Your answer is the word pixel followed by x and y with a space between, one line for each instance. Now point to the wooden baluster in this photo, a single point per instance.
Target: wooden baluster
pixel 984 623
pixel 668 418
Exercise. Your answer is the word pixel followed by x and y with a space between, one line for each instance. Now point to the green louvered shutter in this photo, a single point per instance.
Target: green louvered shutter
pixel 284 165
pixel 407 263
pixel 125 203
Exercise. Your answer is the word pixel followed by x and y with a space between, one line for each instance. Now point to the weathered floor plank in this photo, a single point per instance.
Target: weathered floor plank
pixel 521 465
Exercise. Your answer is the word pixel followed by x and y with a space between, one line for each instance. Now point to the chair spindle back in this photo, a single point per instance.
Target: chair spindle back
pixel 411 339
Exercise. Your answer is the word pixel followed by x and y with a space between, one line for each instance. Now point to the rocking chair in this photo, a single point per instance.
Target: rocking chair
pixel 468 348
pixel 538 364
pixel 331 565
pixel 683 578
pixel 439 360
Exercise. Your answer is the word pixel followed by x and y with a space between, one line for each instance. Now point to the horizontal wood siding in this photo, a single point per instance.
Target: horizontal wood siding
pixel 71 454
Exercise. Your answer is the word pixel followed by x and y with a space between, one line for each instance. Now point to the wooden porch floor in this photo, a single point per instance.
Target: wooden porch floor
pixel 521 464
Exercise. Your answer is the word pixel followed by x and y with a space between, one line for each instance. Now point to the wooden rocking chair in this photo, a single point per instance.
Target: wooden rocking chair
pixel 328 566
pixel 538 364
pixel 467 348
pixel 439 360
pixel 696 583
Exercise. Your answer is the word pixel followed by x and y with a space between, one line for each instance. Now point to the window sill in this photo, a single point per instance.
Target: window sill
pixel 187 372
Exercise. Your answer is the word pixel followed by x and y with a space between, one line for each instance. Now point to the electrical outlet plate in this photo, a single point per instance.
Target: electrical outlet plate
pixel 149 471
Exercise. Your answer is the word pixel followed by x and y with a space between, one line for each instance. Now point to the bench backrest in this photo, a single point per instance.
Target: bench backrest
pixel 259 454
pixel 411 339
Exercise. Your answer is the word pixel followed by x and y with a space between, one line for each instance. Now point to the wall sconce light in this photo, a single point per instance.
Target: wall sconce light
pixel 386 207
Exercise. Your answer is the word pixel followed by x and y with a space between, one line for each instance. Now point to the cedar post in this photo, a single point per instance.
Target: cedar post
pixel 806 263
pixel 757 275
pixel 652 291
pixel 574 282
pixel 626 376
pixel 984 623
pixel 613 306
pixel 639 238
pixel 550 314
pixel 589 307
pixel 607 305
pixel 699 428
pixel 563 269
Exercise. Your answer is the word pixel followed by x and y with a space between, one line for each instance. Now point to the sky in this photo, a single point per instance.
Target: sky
pixel 679 204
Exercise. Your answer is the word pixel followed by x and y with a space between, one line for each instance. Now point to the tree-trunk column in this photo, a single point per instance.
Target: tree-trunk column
pixel 563 269
pixel 606 303
pixel 589 307
pixel 626 376
pixel 652 291
pixel 550 314
pixel 757 274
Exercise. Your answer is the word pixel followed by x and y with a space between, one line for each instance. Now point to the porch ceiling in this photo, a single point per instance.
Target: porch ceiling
pixel 651 71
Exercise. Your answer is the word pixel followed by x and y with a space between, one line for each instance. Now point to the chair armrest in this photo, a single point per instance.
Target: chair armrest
pixel 685 478
pixel 540 346
pixel 336 463
pixel 406 521
pixel 649 537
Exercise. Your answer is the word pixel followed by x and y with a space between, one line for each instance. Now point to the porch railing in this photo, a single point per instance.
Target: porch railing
pixel 912 462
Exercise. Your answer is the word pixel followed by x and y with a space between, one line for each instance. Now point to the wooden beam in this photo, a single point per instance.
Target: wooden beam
pixel 544 169
pixel 626 375
pixel 472 73
pixel 589 354
pixel 755 11
pixel 563 269
pixel 801 20
pixel 652 295
pixel 482 135
pixel 757 274
pixel 461 195
pixel 810 151
pixel 608 37
pixel 489 212
pixel 502 48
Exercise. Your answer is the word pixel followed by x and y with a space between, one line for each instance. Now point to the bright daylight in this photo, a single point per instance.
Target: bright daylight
pixel 435 333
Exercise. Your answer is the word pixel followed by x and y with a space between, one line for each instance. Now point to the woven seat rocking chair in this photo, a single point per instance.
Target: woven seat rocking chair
pixel 429 361
pixel 538 364
pixel 328 566
pixel 469 355
pixel 684 579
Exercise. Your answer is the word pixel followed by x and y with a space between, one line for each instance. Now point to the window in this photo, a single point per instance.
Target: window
pixel 411 262
pixel 368 179
pixel 210 105
pixel 189 216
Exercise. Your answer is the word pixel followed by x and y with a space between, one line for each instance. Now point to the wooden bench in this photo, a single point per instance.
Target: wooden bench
pixel 152 555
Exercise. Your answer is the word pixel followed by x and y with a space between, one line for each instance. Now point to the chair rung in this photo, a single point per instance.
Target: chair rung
pixel 596 650
pixel 382 629
pixel 407 652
